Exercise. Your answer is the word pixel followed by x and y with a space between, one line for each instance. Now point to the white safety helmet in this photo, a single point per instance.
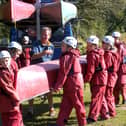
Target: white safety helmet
pixel 26 38
pixel 4 54
pixel 108 40
pixel 16 45
pixel 71 41
pixel 93 40
pixel 116 34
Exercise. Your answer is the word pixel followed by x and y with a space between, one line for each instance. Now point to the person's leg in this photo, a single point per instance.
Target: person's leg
pixel 123 92
pixel 50 102
pixel 104 109
pixel 97 94
pixel 0 120
pixel 78 103
pixel 30 109
pixel 65 110
pixel 12 119
pixel 110 101
pixel 116 92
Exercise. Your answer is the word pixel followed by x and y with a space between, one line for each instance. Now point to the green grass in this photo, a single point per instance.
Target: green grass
pixel 41 117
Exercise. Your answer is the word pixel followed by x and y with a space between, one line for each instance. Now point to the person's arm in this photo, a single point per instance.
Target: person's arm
pixel 90 68
pixel 38 55
pixel 8 88
pixel 65 66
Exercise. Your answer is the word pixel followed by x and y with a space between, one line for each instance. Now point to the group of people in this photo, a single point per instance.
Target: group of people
pixel 105 71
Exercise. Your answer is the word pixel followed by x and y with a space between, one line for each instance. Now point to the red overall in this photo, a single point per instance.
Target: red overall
pixel 71 79
pixel 24 59
pixel 97 77
pixel 121 82
pixel 9 100
pixel 15 70
pixel 111 60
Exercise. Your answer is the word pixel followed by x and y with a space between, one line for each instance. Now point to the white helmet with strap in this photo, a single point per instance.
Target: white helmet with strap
pixel 108 40
pixel 16 45
pixel 26 38
pixel 93 40
pixel 71 41
pixel 116 34
pixel 4 54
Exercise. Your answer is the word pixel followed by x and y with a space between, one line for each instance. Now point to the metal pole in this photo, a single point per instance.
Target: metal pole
pixel 38 6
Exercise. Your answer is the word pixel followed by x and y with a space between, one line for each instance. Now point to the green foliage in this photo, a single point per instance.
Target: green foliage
pixel 101 16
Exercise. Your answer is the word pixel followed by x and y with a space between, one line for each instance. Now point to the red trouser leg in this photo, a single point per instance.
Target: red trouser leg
pixel 78 103
pixel 97 94
pixel 69 101
pixel 110 101
pixel 12 119
pixel 123 91
pixel 65 110
pixel 104 109
pixel 116 92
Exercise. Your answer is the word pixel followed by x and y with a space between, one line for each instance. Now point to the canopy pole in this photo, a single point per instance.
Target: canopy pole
pixel 38 6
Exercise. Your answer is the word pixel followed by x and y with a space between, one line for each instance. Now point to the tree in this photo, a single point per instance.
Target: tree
pixel 101 16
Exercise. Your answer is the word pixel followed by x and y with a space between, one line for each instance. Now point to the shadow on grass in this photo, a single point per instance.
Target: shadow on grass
pixel 49 122
pixel 40 111
pixel 41 115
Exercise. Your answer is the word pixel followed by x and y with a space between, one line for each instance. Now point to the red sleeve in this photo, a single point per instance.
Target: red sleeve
pixel 15 70
pixel 115 62
pixel 65 66
pixel 19 62
pixel 90 68
pixel 7 86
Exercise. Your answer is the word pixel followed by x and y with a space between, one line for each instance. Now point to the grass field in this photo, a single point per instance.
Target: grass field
pixel 41 117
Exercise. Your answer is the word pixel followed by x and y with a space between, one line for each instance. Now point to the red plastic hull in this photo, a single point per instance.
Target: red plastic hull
pixel 16 10
pixel 36 80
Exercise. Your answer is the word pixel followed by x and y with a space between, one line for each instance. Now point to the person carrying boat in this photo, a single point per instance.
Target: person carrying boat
pixel 71 79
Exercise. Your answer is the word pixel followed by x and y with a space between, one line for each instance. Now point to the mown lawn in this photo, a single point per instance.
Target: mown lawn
pixel 41 117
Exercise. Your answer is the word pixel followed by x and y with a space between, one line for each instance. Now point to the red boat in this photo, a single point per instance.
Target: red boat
pixel 36 80
pixel 57 12
pixel 15 10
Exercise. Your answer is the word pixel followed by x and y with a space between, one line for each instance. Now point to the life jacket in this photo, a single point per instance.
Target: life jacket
pixel 100 64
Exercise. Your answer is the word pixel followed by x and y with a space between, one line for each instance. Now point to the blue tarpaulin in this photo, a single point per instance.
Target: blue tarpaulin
pixel 68 30
pixel 13 34
pixel 47 1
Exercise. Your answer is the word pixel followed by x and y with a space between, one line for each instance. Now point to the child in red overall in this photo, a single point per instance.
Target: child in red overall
pixel 71 79
pixel 120 86
pixel 15 50
pixel 24 59
pixel 97 77
pixel 111 60
pixel 9 100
